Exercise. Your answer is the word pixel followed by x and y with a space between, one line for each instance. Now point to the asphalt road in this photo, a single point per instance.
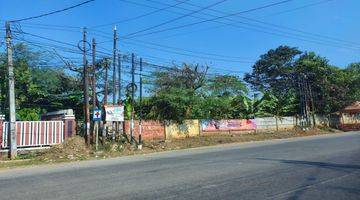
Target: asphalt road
pixel 320 167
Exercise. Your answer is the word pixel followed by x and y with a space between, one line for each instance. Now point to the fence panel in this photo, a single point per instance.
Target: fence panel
pixel 269 123
pixel 35 133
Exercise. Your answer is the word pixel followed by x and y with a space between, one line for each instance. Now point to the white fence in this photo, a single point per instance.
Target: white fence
pixel 35 133
pixel 269 123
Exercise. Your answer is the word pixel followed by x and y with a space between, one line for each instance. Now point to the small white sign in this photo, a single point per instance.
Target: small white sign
pixel 114 113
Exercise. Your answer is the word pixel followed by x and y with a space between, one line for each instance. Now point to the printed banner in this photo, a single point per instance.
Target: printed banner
pixel 228 125
pixel 114 113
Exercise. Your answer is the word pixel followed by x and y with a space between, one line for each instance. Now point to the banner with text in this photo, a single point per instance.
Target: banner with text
pixel 228 125
pixel 114 113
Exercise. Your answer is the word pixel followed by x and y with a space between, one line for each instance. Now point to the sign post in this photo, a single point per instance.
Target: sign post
pixel 96 119
pixel 96 115
pixel 114 113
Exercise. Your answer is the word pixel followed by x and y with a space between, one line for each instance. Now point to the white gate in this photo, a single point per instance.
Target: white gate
pixel 35 133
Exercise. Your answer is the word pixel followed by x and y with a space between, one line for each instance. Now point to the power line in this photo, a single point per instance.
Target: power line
pixel 141 16
pixel 175 50
pixel 189 55
pixel 275 25
pixel 53 12
pixel 176 18
pixel 298 8
pixel 297 36
pixel 213 19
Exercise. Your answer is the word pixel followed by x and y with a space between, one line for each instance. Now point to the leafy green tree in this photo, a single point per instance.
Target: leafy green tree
pixel 329 84
pixel 38 87
pixel 274 70
pixel 176 92
pixel 276 107
pixel 219 93
pixel 353 79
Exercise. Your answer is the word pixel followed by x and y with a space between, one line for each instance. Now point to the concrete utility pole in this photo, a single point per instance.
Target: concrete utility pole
pixel 114 86
pixel 312 103
pixel 106 87
pixel 140 114
pixel 119 73
pixel 104 127
pixel 120 124
pixel 12 126
pixel 96 124
pixel 132 97
pixel 115 91
pixel 86 91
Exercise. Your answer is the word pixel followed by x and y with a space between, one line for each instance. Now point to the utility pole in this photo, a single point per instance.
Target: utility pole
pixel 12 126
pixel 115 91
pixel 140 114
pixel 86 91
pixel 311 99
pixel 106 87
pixel 132 97
pixel 96 124
pixel 105 98
pixel 121 124
pixel 302 113
pixel 119 74
pixel 307 108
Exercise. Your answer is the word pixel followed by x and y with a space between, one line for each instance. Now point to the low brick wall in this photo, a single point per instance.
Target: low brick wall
pixel 151 129
pixel 188 128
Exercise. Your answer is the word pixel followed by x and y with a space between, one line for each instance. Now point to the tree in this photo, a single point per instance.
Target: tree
pixel 276 107
pixel 274 70
pixel 219 94
pixel 176 92
pixel 39 87
pixel 353 78
pixel 329 84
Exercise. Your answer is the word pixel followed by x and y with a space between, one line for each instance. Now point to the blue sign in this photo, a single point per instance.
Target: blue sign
pixel 96 115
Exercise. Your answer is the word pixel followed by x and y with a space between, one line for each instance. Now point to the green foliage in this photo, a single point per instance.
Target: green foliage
pixel 274 69
pixel 29 114
pixel 352 73
pixel 38 89
pixel 188 91
pixel 280 70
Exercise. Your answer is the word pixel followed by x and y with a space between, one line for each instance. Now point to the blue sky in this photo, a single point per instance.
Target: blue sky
pixel 236 46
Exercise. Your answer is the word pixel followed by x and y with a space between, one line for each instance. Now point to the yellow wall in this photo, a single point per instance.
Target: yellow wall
pixel 188 129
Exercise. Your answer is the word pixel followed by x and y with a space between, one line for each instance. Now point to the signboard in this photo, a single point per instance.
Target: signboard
pixel 114 113
pixel 228 125
pixel 96 115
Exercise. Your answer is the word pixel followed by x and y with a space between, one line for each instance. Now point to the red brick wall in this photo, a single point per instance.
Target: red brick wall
pixel 151 130
pixel 1 131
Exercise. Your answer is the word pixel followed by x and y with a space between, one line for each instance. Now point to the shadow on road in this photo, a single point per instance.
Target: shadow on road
pixel 312 177
pixel 315 164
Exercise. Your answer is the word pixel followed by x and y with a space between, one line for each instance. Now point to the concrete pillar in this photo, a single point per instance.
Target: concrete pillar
pixel 69 126
pixel 2 118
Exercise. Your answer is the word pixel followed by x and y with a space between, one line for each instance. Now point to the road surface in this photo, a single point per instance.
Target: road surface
pixel 319 167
